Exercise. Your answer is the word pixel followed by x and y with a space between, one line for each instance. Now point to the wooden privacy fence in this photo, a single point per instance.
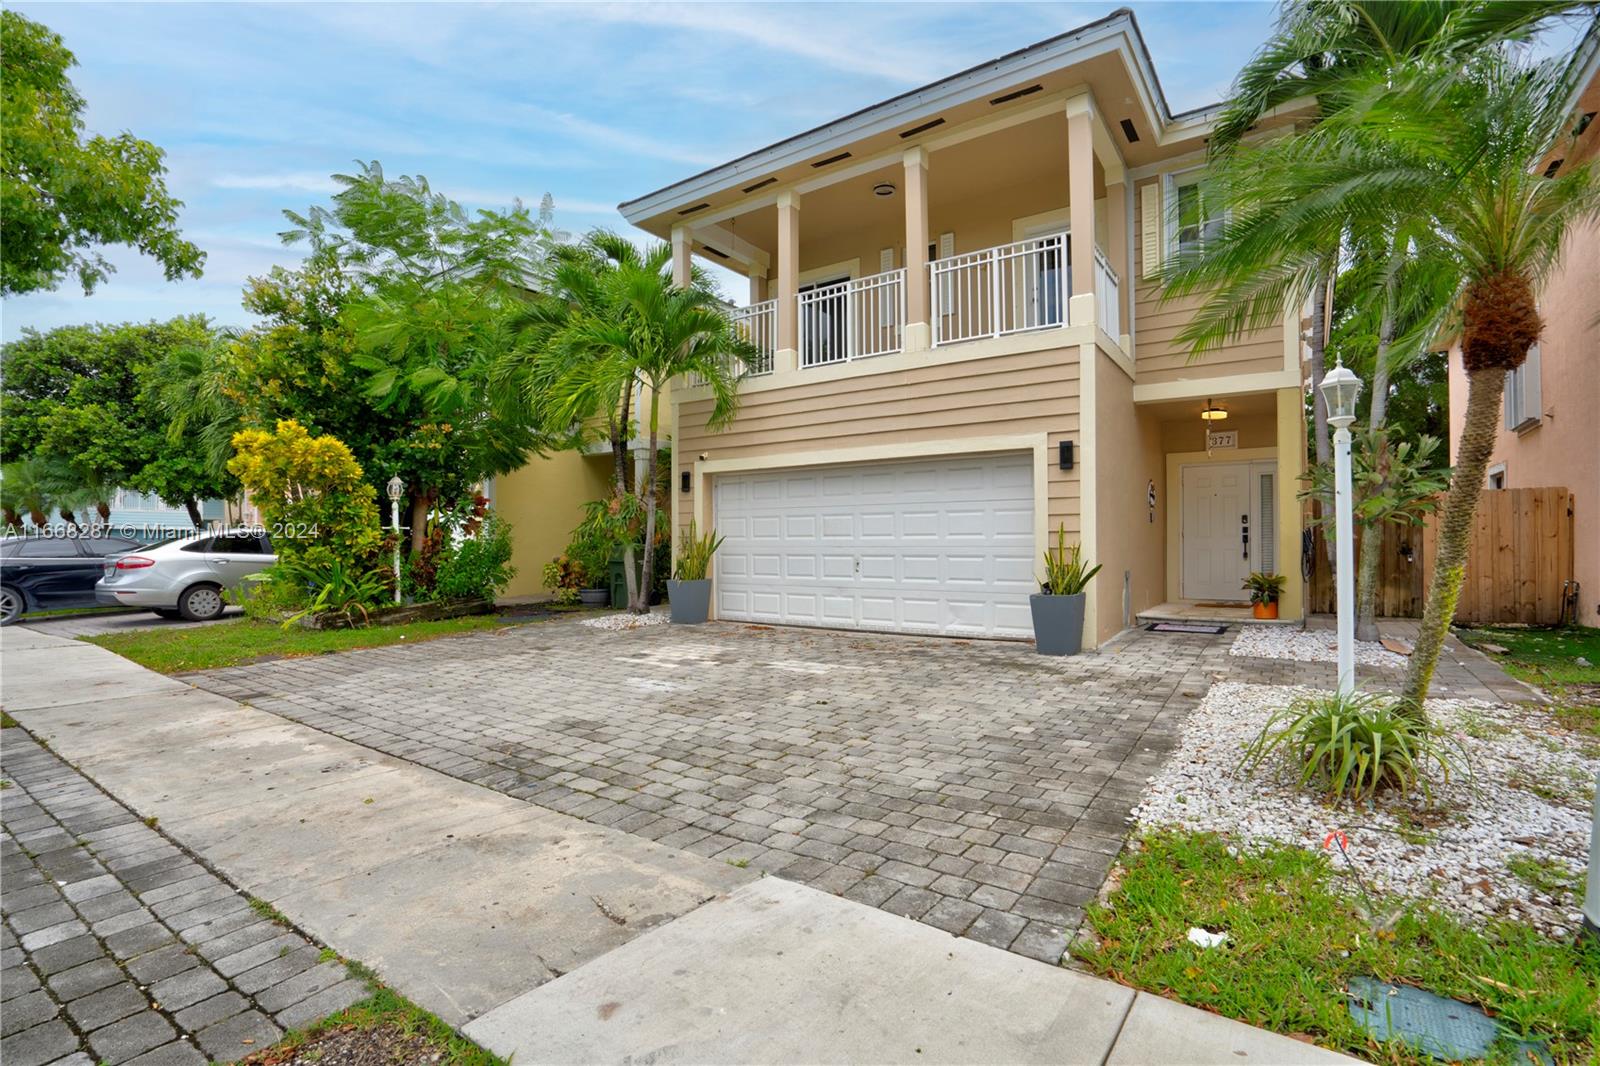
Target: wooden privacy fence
pixel 1518 563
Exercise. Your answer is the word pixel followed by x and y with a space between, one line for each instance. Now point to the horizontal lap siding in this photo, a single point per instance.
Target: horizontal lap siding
pixel 1028 393
pixel 1161 358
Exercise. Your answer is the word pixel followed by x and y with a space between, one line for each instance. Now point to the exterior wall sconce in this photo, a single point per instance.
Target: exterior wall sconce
pixel 683 481
pixel 1066 455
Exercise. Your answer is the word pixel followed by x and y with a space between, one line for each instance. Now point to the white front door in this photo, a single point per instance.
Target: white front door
pixel 921 546
pixel 1216 531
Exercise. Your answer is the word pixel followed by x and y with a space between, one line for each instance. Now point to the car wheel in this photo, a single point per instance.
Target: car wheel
pixel 200 603
pixel 166 612
pixel 11 605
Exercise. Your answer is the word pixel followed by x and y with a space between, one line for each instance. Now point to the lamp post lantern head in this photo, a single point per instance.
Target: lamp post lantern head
pixel 1339 391
pixel 396 487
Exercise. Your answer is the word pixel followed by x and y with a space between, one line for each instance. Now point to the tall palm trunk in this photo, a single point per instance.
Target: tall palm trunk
pixel 619 468
pixel 1478 431
pixel 1370 546
pixel 1319 369
pixel 1500 322
pixel 648 487
pixel 193 507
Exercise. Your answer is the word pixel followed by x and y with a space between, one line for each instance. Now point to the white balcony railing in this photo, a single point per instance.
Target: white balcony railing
pixel 852 319
pixel 996 291
pixel 759 325
pixel 1107 309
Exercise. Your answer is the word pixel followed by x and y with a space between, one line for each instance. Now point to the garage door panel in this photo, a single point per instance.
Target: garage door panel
pixel 926 546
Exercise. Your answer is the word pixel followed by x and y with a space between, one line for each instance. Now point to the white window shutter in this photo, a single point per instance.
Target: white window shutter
pixel 885 260
pixel 1150 220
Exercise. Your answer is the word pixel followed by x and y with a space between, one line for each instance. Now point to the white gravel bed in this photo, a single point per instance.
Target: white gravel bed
pixel 624 620
pixel 1307 646
pixel 1527 798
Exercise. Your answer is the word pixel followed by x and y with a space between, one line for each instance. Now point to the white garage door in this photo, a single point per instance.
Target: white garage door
pixel 942 546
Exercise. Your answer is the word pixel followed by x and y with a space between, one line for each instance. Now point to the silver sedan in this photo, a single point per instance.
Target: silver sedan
pixel 185 578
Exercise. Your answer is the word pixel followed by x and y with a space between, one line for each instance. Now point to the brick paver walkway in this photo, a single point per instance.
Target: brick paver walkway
pixel 117 946
pixel 975 786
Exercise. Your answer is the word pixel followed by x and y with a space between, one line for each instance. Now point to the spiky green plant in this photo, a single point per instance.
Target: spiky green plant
pixel 1066 572
pixel 694 559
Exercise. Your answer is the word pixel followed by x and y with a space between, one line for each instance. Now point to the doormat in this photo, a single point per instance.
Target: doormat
pixel 1444 1028
pixel 1186 627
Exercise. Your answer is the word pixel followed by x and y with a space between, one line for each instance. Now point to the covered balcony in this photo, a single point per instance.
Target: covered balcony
pixel 1017 230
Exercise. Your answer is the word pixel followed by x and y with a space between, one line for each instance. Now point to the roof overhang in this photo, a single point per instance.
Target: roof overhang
pixel 1116 34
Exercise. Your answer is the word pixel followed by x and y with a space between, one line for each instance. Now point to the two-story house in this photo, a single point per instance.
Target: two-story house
pixel 965 347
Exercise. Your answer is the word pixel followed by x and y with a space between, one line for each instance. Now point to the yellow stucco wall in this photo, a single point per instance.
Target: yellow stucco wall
pixel 543 501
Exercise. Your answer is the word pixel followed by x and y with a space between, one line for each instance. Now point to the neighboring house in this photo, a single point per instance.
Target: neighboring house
pixel 966 348
pixel 143 515
pixel 1549 434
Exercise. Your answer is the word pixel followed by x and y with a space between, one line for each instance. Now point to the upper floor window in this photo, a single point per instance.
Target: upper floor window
pixel 1191 221
pixel 1524 405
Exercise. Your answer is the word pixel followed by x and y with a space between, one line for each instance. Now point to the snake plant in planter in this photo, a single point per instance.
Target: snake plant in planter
pixel 1058 607
pixel 689 590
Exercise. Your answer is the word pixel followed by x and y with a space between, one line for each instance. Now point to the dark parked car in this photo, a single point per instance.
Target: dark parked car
pixel 49 573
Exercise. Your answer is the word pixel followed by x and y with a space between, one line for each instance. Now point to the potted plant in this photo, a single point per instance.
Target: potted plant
pixel 1265 591
pixel 689 591
pixel 1058 607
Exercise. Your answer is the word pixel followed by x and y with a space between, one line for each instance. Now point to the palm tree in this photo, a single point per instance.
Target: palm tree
pixel 1450 153
pixel 24 490
pixel 624 326
pixel 1318 50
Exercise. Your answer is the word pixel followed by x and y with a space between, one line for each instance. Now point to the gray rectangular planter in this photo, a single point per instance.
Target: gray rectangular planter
pixel 690 601
pixel 1057 623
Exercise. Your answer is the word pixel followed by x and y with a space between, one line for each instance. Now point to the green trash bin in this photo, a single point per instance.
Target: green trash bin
pixel 617 580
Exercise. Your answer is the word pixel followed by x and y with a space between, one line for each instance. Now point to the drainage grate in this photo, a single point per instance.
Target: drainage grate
pixel 1185 627
pixel 1444 1028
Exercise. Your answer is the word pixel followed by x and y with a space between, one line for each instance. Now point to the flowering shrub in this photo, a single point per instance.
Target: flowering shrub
pixel 314 500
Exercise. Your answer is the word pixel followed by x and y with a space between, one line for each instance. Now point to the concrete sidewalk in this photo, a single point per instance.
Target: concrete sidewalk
pixel 557 940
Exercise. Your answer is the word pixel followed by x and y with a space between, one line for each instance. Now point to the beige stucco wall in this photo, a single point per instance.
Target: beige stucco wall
pixel 1563 449
pixel 1160 358
pixel 1131 536
pixel 543 502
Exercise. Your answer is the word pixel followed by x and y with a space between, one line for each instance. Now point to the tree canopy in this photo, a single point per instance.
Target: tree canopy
pixel 63 195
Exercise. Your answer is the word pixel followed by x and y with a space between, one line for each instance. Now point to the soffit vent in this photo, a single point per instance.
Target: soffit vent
pixel 830 159
pixel 692 210
pixel 1555 165
pixel 1129 132
pixel 713 251
pixel 1019 94
pixel 762 184
pixel 924 128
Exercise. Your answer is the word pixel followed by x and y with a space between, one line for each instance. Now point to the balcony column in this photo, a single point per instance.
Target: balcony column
pixel 1080 199
pixel 918 334
pixel 758 284
pixel 682 247
pixel 1117 244
pixel 787 356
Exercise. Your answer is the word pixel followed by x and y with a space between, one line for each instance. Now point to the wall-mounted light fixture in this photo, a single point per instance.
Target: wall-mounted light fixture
pixel 1066 455
pixel 683 481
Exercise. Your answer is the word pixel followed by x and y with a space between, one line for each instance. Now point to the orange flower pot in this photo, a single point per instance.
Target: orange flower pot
pixel 1266 610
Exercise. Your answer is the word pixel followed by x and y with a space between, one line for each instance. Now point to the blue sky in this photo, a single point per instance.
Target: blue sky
pixel 257 104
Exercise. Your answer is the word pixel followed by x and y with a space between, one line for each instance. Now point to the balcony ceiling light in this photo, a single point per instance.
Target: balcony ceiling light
pixel 883 188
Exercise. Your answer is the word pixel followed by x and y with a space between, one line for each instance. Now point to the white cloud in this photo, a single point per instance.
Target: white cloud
pixel 614 137
pixel 299 181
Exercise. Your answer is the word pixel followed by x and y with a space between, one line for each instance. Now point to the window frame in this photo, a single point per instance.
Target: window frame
pixel 1171 183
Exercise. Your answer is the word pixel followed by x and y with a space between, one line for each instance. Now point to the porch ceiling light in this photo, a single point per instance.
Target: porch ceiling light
pixel 883 188
pixel 1214 412
pixel 1340 387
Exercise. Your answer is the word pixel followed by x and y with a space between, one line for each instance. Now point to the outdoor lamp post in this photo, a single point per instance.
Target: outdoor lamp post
pixel 1340 388
pixel 396 489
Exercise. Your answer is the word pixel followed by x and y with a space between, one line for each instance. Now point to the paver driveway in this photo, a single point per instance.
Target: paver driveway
pixel 975 786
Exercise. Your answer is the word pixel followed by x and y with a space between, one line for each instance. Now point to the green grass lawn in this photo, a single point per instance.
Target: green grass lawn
pixel 174 650
pixel 384 1027
pixel 1548 658
pixel 1295 939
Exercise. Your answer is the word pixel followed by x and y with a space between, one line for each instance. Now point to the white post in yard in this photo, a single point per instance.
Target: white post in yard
pixel 1340 388
pixel 396 488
